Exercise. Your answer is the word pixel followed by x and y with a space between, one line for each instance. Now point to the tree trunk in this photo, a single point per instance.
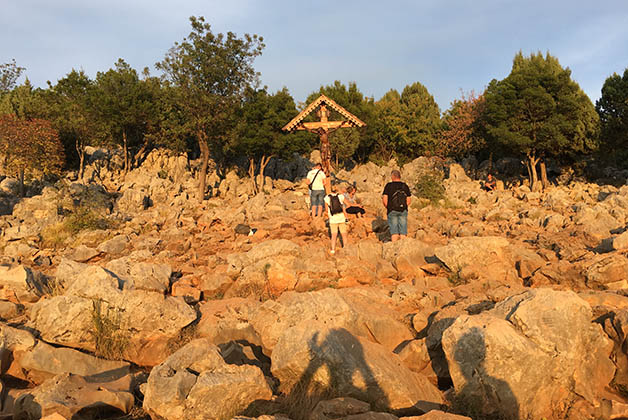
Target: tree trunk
pixel 325 153
pixel 139 156
pixel 21 179
pixel 202 144
pixel 252 174
pixel 126 152
pixel 532 174
pixel 80 149
pixel 544 181
pixel 262 168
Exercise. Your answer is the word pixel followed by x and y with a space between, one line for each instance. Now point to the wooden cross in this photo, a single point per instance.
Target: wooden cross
pixel 324 127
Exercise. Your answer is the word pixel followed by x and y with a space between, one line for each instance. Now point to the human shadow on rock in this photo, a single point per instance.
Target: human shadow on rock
pixel 481 396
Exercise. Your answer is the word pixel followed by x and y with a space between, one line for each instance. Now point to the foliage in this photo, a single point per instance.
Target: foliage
pixel 29 148
pixel 430 186
pixel 110 339
pixel 126 106
pixel 539 111
pixel 9 74
pixel 459 136
pixel 70 106
pixel 258 131
pixel 612 108
pixel 211 74
pixel 410 122
pixel 83 217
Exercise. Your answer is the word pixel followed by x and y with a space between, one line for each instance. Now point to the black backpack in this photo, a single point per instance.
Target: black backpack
pixel 335 206
pixel 398 201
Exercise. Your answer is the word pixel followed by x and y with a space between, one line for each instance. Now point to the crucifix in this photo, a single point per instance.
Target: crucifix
pixel 324 127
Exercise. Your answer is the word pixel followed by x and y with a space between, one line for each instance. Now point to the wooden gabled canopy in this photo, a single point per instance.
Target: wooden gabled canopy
pixel 297 122
pixel 324 126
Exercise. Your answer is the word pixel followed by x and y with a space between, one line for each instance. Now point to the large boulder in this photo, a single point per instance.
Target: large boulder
pixel 21 284
pixel 363 315
pixel 196 382
pixel 95 309
pixel 528 356
pixel 45 361
pixel 608 272
pixel 313 357
pixel 72 397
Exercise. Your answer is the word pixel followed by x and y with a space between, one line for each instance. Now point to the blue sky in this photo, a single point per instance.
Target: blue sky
pixel 447 45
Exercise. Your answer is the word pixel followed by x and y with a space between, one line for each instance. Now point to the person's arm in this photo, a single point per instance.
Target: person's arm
pixel 408 196
pixel 385 200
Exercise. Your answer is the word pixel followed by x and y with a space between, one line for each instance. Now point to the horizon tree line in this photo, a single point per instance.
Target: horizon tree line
pixel 208 102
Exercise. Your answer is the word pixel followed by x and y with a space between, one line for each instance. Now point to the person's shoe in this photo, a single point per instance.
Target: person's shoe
pixel 332 252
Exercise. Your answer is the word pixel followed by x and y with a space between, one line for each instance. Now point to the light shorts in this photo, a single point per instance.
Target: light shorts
pixel 338 227
pixel 317 198
pixel 398 222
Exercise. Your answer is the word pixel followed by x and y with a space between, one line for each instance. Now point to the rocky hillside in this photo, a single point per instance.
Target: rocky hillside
pixel 124 297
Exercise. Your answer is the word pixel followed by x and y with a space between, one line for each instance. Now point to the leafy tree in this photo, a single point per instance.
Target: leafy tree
pixel 126 105
pixel 350 143
pixel 410 122
pixel 460 131
pixel 23 101
pixel 72 111
pixel 211 73
pixel 9 74
pixel 538 111
pixel 258 133
pixel 612 108
pixel 29 147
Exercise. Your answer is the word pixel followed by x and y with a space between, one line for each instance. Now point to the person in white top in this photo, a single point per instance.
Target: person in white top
pixel 316 182
pixel 334 204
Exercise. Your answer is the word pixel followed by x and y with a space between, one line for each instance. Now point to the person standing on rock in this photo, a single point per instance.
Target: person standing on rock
pixel 335 206
pixel 316 183
pixel 396 198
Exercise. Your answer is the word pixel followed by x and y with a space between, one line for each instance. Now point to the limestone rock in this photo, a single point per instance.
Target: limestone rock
pixel 115 245
pixel 529 354
pixel 338 408
pixel 8 309
pixel 335 308
pixel 437 415
pixel 72 397
pixel 45 361
pixel 461 252
pixel 315 356
pixel 141 275
pixel 620 242
pixel 608 272
pixel 195 382
pixel 147 320
pixel 83 253
pixel 20 283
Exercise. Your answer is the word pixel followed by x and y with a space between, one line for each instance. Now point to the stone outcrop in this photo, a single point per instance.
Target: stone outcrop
pixel 196 382
pixel 71 396
pixel 313 356
pixel 528 356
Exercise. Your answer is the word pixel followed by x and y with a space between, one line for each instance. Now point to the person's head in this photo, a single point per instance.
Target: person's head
pixel 395 175
pixel 317 166
pixel 489 177
pixel 351 190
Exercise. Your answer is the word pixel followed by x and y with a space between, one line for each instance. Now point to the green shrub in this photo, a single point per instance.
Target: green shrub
pixel 82 218
pixel 85 219
pixel 430 187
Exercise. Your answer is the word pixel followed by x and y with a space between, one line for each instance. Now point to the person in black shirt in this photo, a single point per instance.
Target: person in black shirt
pixel 396 198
